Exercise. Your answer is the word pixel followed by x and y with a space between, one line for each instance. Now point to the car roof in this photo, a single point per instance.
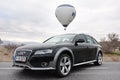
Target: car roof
pixel 74 34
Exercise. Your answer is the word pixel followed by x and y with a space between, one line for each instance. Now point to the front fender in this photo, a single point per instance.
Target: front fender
pixel 60 52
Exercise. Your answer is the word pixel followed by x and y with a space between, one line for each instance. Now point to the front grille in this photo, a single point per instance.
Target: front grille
pixel 25 53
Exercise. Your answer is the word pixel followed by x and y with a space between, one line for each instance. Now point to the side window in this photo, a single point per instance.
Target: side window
pixel 89 40
pixel 95 42
pixel 81 37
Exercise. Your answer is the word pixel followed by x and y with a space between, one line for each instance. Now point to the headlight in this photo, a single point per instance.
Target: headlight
pixel 44 51
pixel 14 55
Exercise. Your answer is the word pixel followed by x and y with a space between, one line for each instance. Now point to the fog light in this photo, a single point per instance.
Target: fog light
pixel 44 64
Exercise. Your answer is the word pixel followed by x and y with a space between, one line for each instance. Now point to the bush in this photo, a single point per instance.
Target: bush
pixel 110 45
pixel 11 47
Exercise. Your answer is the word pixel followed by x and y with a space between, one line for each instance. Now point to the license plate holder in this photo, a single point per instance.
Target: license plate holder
pixel 20 58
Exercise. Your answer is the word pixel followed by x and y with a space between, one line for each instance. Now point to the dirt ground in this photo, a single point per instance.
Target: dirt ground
pixel 6 56
pixel 111 58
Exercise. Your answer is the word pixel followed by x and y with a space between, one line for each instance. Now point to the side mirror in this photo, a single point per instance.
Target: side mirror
pixel 79 41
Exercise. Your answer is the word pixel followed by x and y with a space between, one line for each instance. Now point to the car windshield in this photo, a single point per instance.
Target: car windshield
pixel 61 39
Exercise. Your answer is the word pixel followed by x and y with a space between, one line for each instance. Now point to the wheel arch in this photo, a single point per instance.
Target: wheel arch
pixel 99 51
pixel 64 50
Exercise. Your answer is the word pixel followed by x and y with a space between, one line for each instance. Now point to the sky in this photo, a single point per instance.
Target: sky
pixel 35 20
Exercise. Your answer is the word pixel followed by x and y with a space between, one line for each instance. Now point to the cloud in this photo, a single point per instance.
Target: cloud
pixel 34 20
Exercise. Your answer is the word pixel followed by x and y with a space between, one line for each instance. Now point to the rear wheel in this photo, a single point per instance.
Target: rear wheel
pixel 99 59
pixel 63 66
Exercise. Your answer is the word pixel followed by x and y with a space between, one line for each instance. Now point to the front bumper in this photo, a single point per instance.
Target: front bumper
pixel 32 68
pixel 50 66
pixel 34 62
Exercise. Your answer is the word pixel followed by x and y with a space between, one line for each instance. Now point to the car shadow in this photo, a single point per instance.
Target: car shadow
pixel 48 74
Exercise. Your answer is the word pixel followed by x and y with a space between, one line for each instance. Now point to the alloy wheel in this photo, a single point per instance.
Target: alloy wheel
pixel 100 59
pixel 65 65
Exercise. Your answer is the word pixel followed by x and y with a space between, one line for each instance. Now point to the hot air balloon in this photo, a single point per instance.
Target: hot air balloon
pixel 65 14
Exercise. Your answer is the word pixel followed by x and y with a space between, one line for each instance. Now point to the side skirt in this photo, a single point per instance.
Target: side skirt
pixel 84 63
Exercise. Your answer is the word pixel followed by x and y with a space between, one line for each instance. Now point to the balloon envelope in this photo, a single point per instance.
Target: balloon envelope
pixel 65 14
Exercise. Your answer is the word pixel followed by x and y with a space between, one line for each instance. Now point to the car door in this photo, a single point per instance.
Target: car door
pixel 80 50
pixel 92 48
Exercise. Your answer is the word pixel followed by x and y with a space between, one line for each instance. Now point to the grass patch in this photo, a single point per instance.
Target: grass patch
pixel 116 53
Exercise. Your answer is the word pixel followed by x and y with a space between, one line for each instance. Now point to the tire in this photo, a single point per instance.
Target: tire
pixel 63 65
pixel 99 59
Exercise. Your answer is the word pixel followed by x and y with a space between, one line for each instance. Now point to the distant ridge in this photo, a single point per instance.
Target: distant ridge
pixel 5 42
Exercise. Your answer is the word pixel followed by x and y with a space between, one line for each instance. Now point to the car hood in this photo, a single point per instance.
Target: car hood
pixel 36 46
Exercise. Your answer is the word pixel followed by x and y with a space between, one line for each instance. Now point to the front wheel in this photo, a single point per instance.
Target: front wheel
pixel 63 66
pixel 99 59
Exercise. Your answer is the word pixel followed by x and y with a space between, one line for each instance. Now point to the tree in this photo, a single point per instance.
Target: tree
pixel 111 44
pixel 114 40
pixel 113 37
